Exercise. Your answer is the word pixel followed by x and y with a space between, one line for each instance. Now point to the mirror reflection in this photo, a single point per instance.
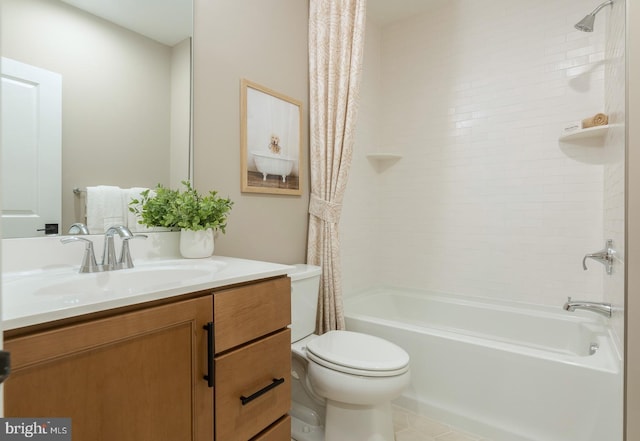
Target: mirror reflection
pixel 124 103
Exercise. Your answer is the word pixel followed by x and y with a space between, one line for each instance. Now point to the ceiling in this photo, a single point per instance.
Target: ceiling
pixel 171 20
pixel 166 21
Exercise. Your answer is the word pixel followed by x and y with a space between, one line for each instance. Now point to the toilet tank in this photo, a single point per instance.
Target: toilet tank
pixel 305 283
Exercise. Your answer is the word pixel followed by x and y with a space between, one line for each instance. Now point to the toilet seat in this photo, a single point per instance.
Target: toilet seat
pixel 358 354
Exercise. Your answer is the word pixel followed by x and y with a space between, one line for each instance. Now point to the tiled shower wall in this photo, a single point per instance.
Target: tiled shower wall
pixel 485 200
pixel 614 169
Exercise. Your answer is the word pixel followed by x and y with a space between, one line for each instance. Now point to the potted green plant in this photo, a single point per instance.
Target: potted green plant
pixel 197 216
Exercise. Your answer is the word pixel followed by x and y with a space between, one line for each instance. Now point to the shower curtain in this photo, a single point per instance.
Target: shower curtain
pixel 336 44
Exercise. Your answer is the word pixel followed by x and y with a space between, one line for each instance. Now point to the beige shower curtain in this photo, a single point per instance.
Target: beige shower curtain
pixel 336 44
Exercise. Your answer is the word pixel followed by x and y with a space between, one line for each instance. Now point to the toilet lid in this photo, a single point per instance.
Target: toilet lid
pixel 356 353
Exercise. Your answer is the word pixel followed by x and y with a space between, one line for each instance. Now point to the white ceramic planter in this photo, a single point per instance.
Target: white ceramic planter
pixel 196 244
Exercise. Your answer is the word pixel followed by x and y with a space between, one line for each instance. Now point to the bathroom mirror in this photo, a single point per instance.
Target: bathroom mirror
pixel 125 69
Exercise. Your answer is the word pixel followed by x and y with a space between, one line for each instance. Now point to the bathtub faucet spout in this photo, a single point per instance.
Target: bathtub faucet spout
pixel 600 308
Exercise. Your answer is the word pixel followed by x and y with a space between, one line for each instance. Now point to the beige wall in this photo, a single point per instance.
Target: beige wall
pixel 632 358
pixel 265 42
pixel 180 112
pixel 115 93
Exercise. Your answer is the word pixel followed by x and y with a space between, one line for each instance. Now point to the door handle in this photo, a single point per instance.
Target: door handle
pixel 210 377
pixel 275 383
pixel 49 229
pixel 5 365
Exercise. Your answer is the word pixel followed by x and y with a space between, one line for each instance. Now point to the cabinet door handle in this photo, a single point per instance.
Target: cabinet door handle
pixel 275 383
pixel 210 354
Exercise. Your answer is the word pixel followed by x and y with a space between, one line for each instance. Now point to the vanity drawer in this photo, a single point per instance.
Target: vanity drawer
pixel 259 375
pixel 279 431
pixel 248 312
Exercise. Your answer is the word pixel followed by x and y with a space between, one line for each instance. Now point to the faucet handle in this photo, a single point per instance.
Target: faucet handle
pixel 89 264
pixel 584 261
pixel 604 256
pixel 125 260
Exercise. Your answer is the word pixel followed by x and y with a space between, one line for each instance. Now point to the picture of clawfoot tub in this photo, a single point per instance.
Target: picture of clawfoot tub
pixel 269 164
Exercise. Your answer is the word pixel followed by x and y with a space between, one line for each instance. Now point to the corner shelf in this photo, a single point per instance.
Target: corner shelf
pixel 591 132
pixel 382 161
pixel 384 156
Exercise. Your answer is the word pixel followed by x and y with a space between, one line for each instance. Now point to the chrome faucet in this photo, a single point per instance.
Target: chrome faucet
pixel 604 256
pixel 78 228
pixel 601 308
pixel 109 262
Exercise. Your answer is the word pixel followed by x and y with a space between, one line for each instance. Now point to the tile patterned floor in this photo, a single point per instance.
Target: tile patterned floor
pixel 412 427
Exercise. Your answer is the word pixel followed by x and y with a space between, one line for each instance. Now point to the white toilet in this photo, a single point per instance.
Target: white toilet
pixel 342 382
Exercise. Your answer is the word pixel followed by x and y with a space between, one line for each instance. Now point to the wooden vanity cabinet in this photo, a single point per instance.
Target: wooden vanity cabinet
pixel 130 377
pixel 139 375
pixel 253 361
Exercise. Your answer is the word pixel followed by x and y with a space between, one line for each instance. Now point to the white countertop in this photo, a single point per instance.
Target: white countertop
pixel 40 296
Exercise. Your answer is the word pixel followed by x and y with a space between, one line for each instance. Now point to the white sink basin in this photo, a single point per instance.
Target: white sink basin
pixel 115 282
pixel 61 288
pixel 58 292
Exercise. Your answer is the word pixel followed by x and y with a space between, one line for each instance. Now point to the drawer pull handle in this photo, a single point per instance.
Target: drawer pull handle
pixel 210 353
pixel 276 382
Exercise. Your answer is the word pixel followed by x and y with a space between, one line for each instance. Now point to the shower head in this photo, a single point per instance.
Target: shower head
pixel 586 24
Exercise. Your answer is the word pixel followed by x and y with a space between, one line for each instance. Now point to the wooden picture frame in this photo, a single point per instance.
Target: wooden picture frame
pixel 270 141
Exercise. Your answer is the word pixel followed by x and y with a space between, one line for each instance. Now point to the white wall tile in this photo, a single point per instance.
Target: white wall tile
pixel 485 201
pixel 614 170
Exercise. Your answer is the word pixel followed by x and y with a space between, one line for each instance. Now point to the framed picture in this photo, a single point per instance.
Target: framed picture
pixel 270 141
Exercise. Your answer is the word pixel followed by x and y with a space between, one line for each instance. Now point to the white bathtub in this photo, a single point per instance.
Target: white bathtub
pixel 507 371
pixel 269 164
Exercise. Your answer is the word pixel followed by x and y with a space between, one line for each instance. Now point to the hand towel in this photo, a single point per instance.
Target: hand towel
pixel 104 208
pixel 599 119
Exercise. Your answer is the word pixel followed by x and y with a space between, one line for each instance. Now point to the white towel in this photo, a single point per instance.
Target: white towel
pixel 104 208
pixel 132 218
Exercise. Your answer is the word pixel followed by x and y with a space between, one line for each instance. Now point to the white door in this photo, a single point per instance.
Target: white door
pixel 31 128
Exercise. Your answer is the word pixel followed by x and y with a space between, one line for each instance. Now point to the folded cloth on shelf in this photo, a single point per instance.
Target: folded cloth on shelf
pixel 599 119
pixel 104 208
